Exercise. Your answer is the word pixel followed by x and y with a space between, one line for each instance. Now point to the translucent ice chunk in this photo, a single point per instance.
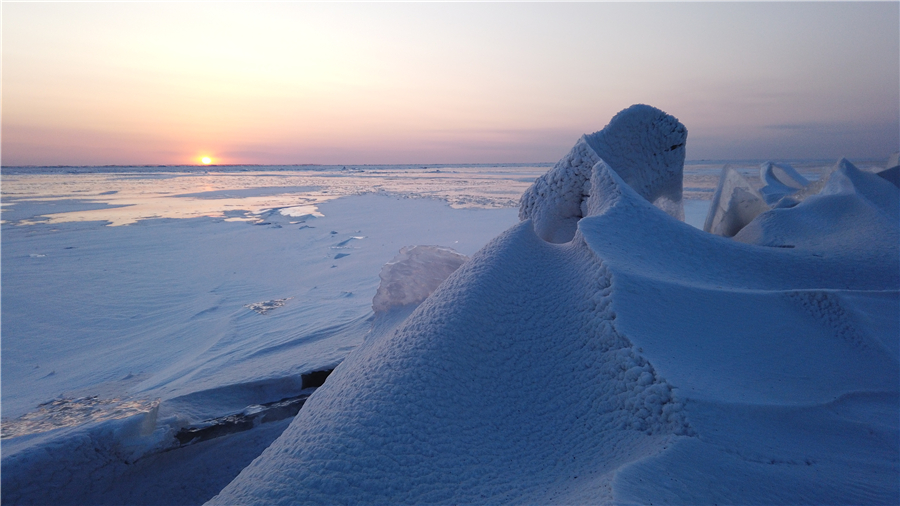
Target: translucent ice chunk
pixel 780 180
pixel 414 274
pixel 734 205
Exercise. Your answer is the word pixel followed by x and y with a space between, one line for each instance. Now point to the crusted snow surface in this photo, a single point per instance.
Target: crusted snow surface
pixel 786 359
pixel 644 145
pixel 510 384
pixel 734 204
pixel 642 362
pixel 412 275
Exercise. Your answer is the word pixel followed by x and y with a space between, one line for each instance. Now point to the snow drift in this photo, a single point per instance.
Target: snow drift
pixel 602 351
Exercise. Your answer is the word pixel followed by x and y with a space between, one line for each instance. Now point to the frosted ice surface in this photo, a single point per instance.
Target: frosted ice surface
pixel 644 145
pixel 854 211
pixel 734 205
pixel 414 274
pixel 779 180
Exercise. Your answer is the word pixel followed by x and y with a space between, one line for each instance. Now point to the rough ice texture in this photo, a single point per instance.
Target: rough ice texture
pixel 644 145
pixel 780 180
pixel 854 211
pixel 509 384
pixel 629 365
pixel 412 275
pixel 734 205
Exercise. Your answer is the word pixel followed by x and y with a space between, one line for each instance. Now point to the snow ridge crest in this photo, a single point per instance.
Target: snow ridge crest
pixel 643 145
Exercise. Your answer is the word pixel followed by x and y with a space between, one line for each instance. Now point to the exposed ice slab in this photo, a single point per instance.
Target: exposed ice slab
pixel 412 275
pixel 302 212
pixel 644 145
pixel 734 205
pixel 779 180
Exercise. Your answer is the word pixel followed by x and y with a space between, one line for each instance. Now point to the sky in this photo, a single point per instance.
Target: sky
pixel 377 83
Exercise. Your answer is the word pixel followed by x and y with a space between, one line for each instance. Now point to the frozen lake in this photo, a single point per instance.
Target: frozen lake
pixel 133 281
pixel 190 295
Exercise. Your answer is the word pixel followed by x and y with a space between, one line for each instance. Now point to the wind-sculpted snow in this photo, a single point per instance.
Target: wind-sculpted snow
pixel 786 359
pixel 779 180
pixel 644 145
pixel 509 384
pixel 413 275
pixel 854 215
pixel 643 361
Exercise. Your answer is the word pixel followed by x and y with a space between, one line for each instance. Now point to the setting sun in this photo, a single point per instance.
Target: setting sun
pixel 206 160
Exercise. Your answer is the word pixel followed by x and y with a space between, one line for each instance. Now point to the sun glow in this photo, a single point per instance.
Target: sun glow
pixel 206 160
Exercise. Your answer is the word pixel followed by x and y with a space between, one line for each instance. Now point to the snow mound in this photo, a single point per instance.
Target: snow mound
pixel 412 275
pixel 786 359
pixel 509 384
pixel 734 205
pixel 581 373
pixel 779 180
pixel 644 145
pixel 854 214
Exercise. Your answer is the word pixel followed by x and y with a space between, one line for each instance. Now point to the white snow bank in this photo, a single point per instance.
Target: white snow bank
pixel 786 359
pixel 412 275
pixel 644 361
pixel 734 205
pixel 854 215
pixel 508 384
pixel 644 145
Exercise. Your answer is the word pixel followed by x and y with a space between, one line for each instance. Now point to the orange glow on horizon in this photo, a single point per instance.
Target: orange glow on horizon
pixel 206 160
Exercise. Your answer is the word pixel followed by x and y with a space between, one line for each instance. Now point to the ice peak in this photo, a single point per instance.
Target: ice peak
pixel 642 144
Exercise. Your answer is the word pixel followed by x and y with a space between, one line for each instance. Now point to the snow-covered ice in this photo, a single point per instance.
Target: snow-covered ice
pixel 643 362
pixel 644 145
pixel 200 316
pixel 598 351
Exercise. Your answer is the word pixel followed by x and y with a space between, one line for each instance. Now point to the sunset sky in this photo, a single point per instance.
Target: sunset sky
pixel 355 83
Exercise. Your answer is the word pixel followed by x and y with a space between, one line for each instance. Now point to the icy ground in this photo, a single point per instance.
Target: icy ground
pixel 630 359
pixel 203 316
pixel 143 305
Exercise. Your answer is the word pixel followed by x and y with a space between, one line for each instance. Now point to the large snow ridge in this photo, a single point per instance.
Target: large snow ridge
pixel 602 351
